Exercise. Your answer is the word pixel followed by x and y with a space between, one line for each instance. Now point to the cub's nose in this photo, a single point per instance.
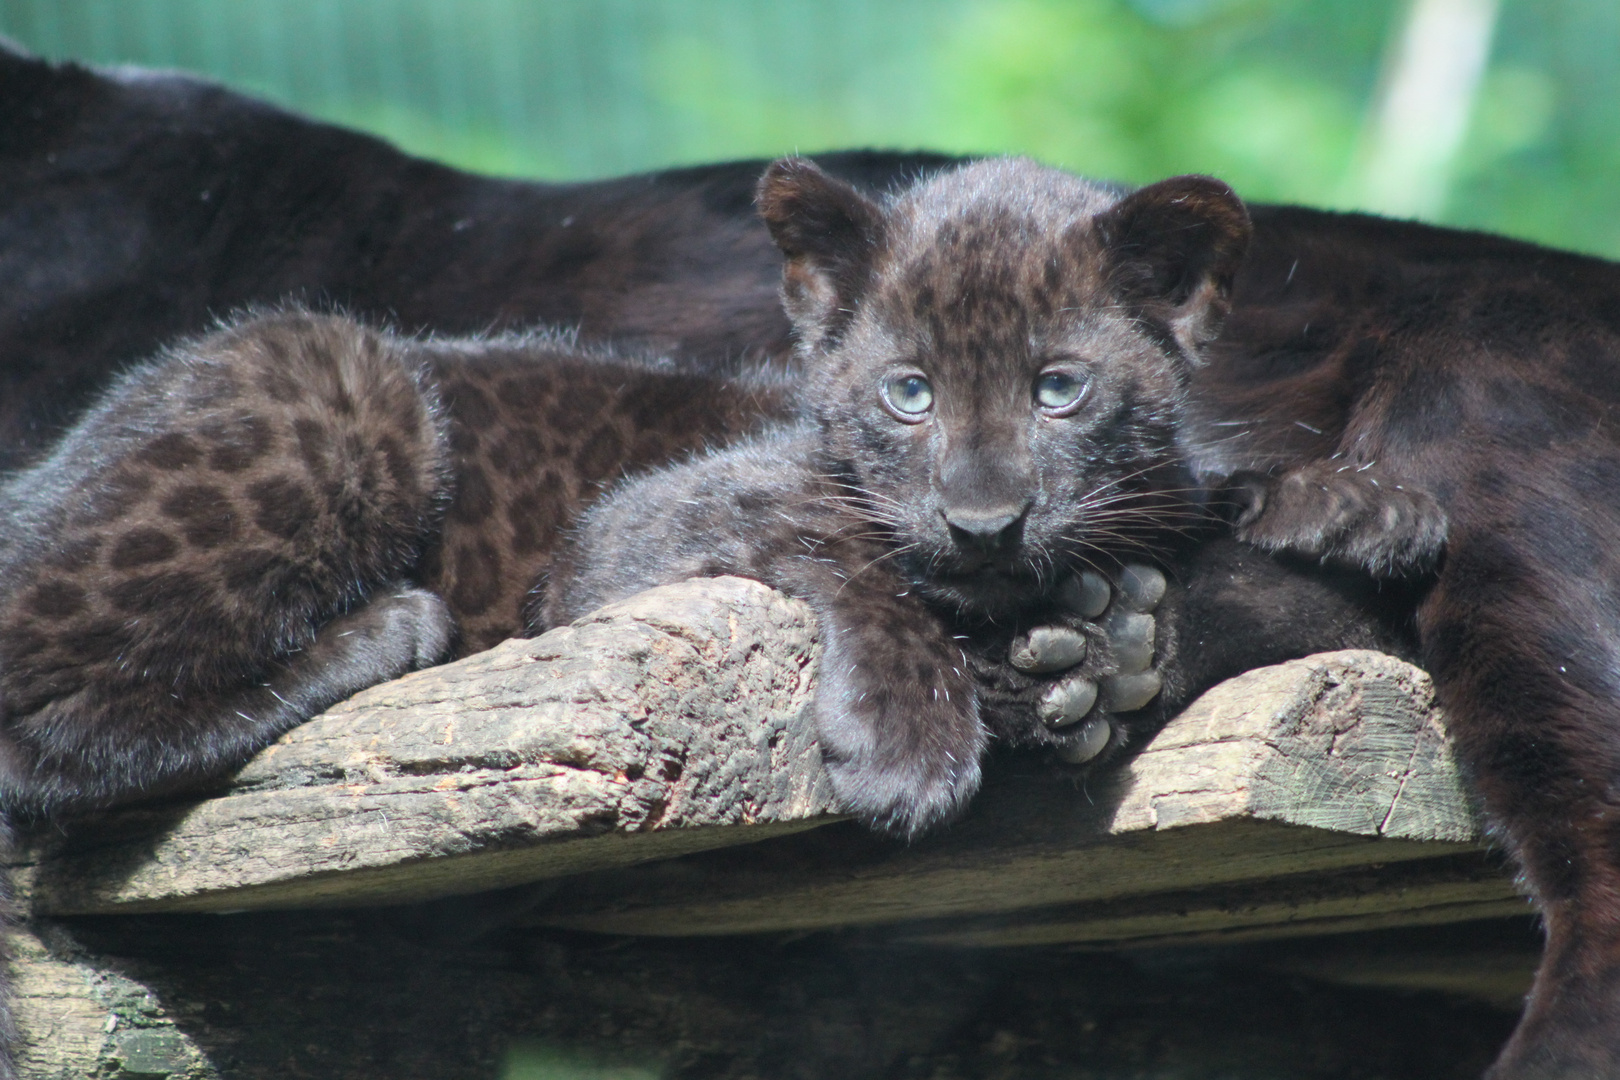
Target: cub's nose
pixel 986 529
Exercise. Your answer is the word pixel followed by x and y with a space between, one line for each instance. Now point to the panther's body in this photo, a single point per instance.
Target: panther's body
pixel 1485 372
pixel 1479 369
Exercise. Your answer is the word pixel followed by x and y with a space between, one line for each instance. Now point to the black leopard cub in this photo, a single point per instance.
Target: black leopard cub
pixel 994 376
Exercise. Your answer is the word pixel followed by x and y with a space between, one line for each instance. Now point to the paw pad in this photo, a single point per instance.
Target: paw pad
pixel 1066 703
pixel 1046 649
pixel 1127 693
pixel 1091 740
pixel 1132 637
pixel 1087 594
pixel 1141 588
pixel 1062 685
pixel 1123 610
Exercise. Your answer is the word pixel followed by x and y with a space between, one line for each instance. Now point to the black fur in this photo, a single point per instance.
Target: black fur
pixel 1421 407
pixel 918 534
pixel 139 207
pixel 1475 369
pixel 1480 373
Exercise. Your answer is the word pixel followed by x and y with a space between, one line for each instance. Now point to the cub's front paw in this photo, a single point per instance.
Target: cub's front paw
pixel 1080 709
pixel 899 728
pixel 902 796
pixel 399 629
pixel 1344 513
pixel 1076 676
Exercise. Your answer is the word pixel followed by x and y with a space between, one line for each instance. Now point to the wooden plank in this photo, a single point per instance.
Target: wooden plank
pixel 1491 961
pixel 1419 892
pixel 400 992
pixel 804 886
pixel 1302 772
pixel 678 723
pixel 62 1021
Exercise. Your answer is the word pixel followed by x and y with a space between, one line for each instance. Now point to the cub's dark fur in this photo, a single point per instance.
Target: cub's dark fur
pixel 272 517
pixel 994 367
pixel 1372 409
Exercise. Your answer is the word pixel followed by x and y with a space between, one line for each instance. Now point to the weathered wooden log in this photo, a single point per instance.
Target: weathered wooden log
pixel 669 723
pixel 1317 795
pixel 653 770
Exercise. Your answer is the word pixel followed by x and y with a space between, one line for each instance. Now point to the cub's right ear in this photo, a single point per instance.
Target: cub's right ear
pixel 1173 249
pixel 828 231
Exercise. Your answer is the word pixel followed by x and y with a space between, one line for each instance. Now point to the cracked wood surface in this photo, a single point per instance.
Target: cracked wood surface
pixel 668 723
pixel 1314 796
pixel 635 750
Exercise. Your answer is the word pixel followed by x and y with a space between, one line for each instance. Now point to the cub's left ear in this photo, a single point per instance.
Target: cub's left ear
pixel 828 233
pixel 1172 249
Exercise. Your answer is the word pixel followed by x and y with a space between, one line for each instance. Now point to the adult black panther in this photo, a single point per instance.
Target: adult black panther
pixel 1480 369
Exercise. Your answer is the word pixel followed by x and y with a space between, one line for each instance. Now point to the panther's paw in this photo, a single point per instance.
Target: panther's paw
pixel 900 758
pixel 1340 512
pixel 896 712
pixel 1104 665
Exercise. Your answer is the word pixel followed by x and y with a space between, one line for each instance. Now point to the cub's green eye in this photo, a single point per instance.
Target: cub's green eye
pixel 1059 391
pixel 909 397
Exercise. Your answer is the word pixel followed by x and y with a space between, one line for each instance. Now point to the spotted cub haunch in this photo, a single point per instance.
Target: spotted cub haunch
pixel 994 366
pixel 166 568
pixel 268 519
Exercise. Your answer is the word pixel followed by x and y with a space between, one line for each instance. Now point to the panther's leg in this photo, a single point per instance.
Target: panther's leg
pixel 1117 649
pixel 896 709
pixel 1222 608
pixel 169 568
pixel 1522 637
pixel 896 712
pixel 1065 683
pixel 194 738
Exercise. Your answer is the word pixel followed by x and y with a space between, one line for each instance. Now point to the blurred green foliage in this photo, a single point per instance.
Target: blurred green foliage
pixel 1275 96
pixel 546 1061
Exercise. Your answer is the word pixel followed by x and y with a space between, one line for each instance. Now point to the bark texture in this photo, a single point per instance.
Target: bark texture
pixel 651 771
pixel 668 723
pixel 1314 795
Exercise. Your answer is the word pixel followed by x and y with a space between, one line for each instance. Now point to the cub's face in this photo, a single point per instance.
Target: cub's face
pixel 998 358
